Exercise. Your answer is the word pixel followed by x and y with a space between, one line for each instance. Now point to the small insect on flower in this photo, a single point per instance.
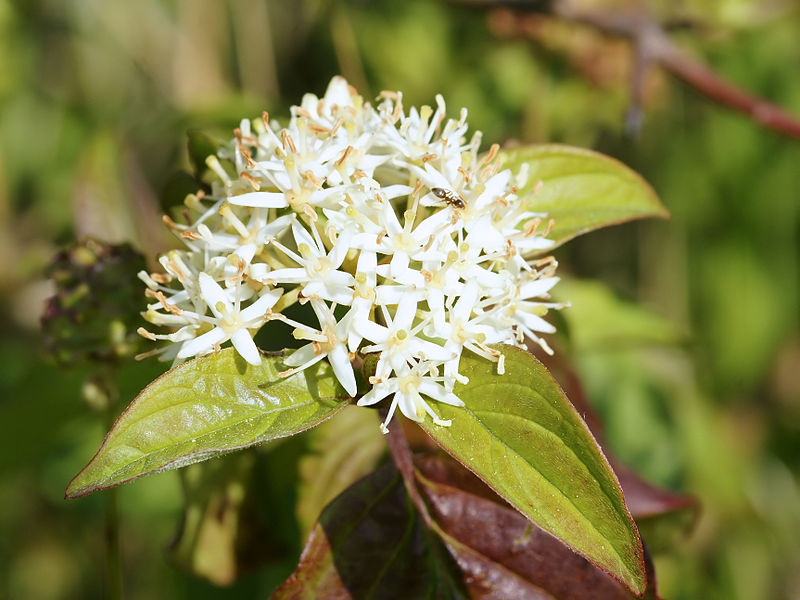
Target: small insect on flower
pixel 449 197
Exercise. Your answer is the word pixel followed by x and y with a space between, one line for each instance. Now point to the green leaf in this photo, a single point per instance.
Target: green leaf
pixel 581 190
pixel 519 433
pixel 206 407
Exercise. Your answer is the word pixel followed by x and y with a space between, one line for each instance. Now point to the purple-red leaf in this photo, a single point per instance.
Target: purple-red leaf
pixel 370 542
pixel 472 515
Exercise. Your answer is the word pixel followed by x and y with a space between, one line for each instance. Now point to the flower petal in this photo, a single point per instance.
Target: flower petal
pixel 213 294
pixel 245 346
pixel 301 236
pixel 202 344
pixel 534 322
pixel 258 309
pixel 260 200
pixel 340 361
pixel 377 393
pixel 300 356
pixel 537 287
pixel 439 393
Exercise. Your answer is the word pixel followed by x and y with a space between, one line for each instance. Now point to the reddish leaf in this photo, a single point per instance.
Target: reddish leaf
pixel 315 573
pixel 480 521
pixel 645 500
pixel 487 579
pixel 371 543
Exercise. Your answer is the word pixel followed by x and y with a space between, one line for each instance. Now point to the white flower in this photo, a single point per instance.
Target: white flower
pixel 329 342
pixel 398 342
pixel 230 323
pixel 408 386
pixel 526 314
pixel 404 239
pixel 364 296
pixel 463 331
pixel 406 242
pixel 318 275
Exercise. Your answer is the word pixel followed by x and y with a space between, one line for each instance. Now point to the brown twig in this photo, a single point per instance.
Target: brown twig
pixel 404 461
pixel 652 45
pixel 650 39
pixel 712 85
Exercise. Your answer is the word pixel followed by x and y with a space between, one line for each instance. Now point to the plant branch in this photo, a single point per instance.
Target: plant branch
pixel 651 41
pixel 114 576
pixel 403 459
pixel 113 556
pixel 100 393
pixel 652 45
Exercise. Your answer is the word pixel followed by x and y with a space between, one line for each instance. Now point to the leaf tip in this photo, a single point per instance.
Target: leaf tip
pixel 72 491
pixel 76 488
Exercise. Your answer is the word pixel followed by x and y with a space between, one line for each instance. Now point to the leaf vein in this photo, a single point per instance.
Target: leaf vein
pixel 147 454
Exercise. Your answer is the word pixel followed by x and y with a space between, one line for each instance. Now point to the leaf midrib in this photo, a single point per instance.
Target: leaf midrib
pixel 145 455
pixel 125 426
pixel 546 402
pixel 555 487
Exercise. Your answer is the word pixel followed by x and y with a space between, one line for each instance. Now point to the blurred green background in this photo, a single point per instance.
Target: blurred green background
pixel 96 97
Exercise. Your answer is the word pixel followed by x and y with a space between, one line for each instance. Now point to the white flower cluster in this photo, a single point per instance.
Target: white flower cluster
pixel 405 241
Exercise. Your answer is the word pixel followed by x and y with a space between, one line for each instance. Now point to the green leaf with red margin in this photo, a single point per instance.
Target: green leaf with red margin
pixel 520 434
pixel 663 517
pixel 581 190
pixel 205 408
